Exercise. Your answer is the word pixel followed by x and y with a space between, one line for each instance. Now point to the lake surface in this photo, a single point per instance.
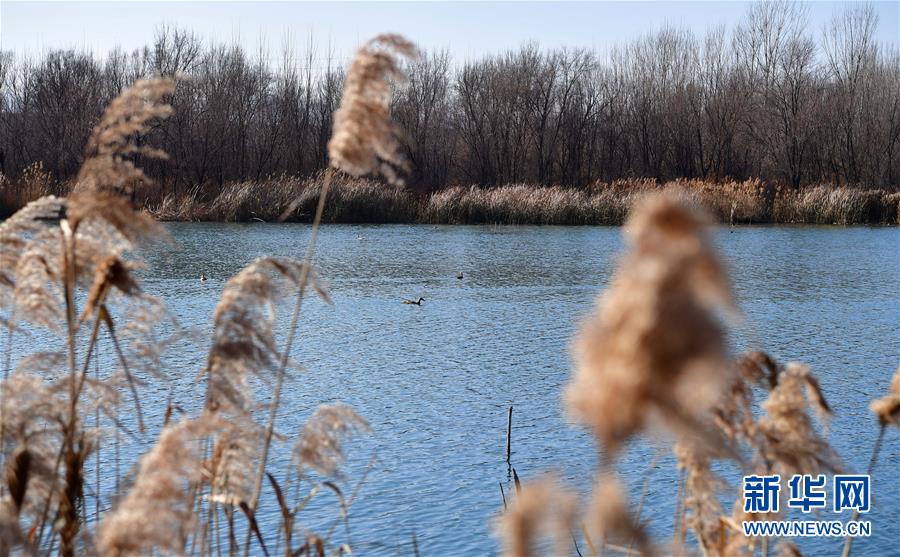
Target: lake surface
pixel 435 381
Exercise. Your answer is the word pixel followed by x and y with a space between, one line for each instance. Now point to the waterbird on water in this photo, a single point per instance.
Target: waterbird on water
pixel 416 303
pixel 459 275
pixel 202 277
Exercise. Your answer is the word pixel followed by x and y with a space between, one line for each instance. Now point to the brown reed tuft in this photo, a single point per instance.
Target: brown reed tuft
pixel 231 470
pixel 757 367
pixel 541 507
pixel 38 295
pixel 109 164
pixel 364 139
pixel 17 473
pixel 654 347
pixel 321 444
pixel 887 408
pixel 610 518
pixel 158 511
pixel 115 210
pixel 792 444
pixel 244 341
pixel 112 272
pixel 33 411
pixel 15 232
pixel 10 530
pixel 701 489
pixel 734 413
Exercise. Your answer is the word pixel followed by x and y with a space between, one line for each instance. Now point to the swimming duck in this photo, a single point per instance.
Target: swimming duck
pixel 202 277
pixel 459 275
pixel 416 303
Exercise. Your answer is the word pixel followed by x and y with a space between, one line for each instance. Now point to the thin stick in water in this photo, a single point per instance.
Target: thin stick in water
pixel 509 434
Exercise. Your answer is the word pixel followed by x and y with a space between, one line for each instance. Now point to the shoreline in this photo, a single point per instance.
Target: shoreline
pixel 602 204
pixel 363 201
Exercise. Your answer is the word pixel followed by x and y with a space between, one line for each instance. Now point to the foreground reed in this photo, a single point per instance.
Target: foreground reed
pixel 68 268
pixel 652 360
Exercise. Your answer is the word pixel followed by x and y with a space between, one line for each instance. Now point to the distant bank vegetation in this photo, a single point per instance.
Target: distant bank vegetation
pixel 355 200
pixel 770 97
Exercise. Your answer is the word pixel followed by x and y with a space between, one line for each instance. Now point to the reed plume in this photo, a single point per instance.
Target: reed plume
pixel 791 443
pixel 38 293
pixel 110 149
pixel 10 531
pixel 33 413
pixel 540 508
pixel 243 347
pixel 15 232
pixel 321 444
pixel 654 348
pixel 701 501
pixel 244 341
pixel 231 469
pixel 610 518
pixel 887 408
pixel 364 139
pixel 158 511
pixel 115 211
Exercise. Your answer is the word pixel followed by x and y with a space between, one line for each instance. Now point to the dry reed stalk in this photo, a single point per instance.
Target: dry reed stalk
pixel 887 410
pixel 540 508
pixel 654 349
pixel 791 443
pixel 320 445
pixel 362 141
pixel 610 519
pixel 158 512
pixel 108 167
pixel 33 412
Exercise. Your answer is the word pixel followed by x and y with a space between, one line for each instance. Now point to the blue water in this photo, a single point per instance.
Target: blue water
pixel 435 381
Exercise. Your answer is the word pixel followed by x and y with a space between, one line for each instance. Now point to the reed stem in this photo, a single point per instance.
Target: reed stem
pixel 285 354
pixel 876 449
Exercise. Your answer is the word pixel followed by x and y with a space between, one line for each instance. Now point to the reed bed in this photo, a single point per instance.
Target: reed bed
pixel 365 200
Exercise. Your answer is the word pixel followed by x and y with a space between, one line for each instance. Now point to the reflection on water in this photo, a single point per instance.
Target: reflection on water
pixel 435 381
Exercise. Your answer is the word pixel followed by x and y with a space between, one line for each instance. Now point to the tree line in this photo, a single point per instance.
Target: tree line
pixel 767 98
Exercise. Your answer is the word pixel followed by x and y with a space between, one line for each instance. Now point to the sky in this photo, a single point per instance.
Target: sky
pixel 467 29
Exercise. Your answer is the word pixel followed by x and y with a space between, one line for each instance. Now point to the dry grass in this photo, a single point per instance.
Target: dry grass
pixel 350 200
pixel 364 200
pixel 654 349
